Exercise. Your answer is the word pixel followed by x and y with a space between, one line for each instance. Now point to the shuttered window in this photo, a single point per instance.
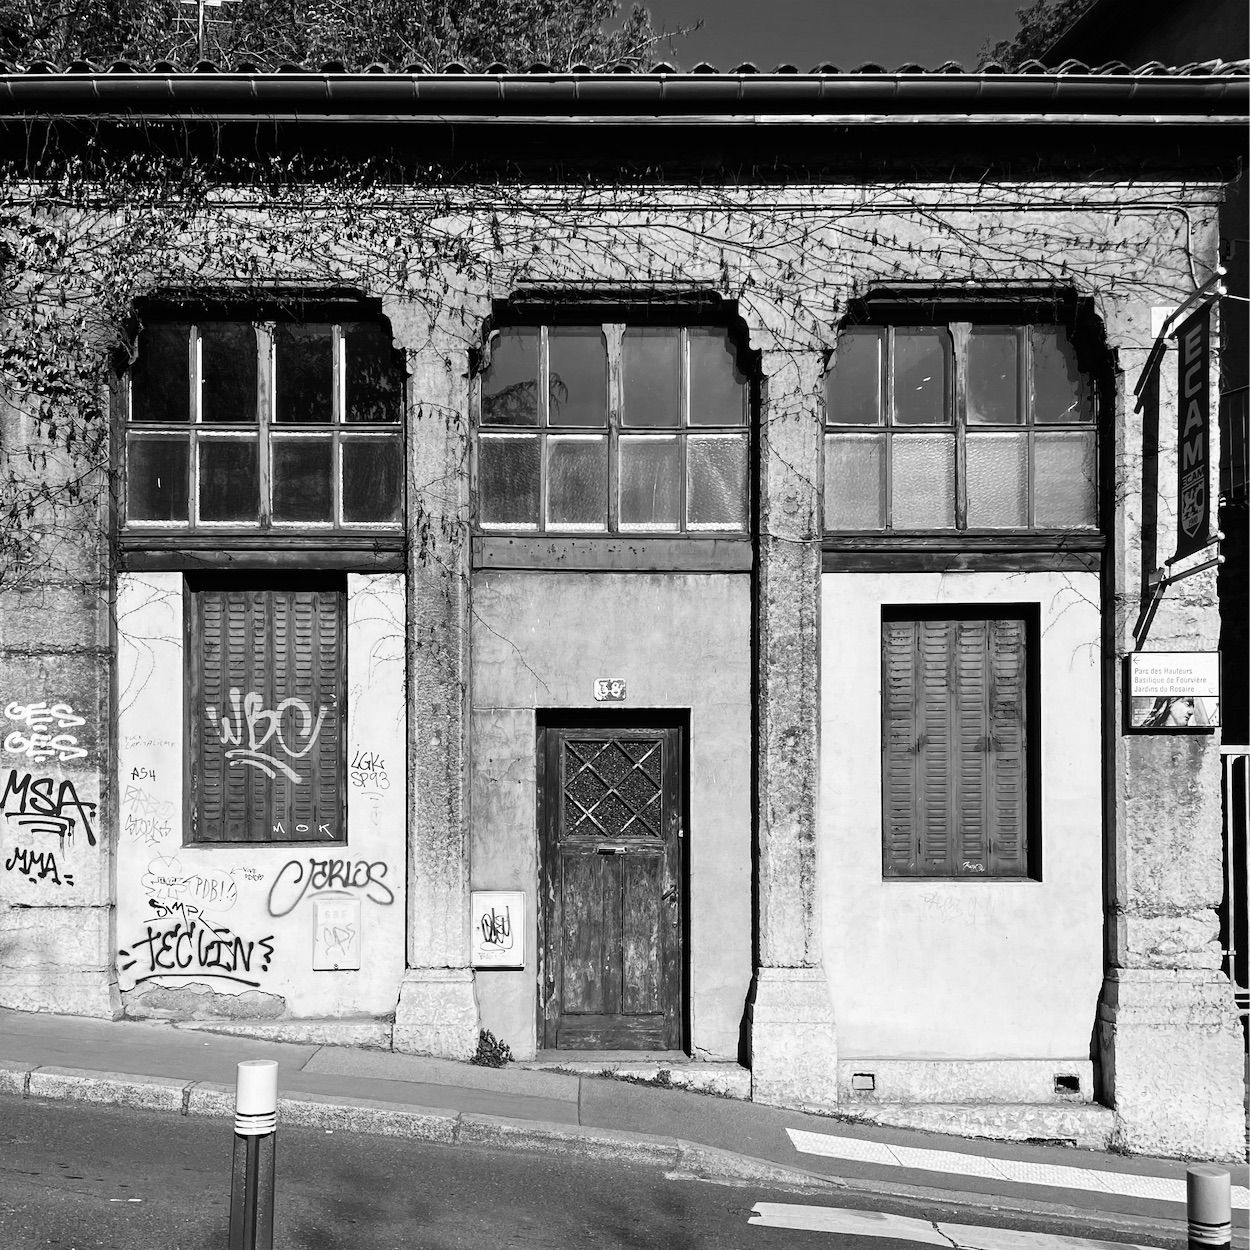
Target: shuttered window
pixel 956 746
pixel 266 680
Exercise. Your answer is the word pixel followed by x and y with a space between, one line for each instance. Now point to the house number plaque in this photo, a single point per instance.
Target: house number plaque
pixel 610 689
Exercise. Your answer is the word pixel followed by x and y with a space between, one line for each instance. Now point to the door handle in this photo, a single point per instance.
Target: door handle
pixel 609 850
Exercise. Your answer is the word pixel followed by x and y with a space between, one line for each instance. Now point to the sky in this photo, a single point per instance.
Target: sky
pixel 845 33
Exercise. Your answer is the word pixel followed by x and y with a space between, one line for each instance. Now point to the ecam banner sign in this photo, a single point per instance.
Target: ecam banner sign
pixel 1193 434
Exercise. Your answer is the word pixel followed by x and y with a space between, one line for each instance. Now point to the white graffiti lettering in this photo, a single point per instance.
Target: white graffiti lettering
pixel 257 725
pixel 41 716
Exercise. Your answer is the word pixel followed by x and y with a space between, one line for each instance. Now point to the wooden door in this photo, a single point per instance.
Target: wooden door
pixel 611 881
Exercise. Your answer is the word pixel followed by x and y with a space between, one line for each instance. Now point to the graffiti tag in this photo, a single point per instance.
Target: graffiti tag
pixel 259 726
pixel 327 875
pixel 39 745
pixel 36 866
pixel 147 818
pixel 369 769
pixel 196 948
pixel 208 889
pixel 29 803
pixel 497 928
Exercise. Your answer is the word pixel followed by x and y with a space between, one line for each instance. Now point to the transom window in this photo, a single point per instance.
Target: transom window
pixel 264 425
pixel 612 428
pixel 959 426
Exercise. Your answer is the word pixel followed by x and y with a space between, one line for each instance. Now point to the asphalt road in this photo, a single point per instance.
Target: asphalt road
pixel 77 1177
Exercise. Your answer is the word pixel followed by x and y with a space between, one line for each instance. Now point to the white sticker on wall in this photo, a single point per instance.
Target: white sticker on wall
pixel 498 934
pixel 336 936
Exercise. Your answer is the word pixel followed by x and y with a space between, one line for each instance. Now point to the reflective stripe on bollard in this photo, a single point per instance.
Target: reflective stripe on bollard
pixel 1210 1204
pixel 255 1150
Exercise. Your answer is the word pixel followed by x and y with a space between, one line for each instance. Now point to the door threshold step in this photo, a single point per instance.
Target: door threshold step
pixel 662 1069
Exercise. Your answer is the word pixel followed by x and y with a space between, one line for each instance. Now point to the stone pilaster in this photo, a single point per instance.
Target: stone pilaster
pixel 59 806
pixel 793 1041
pixel 1168 1035
pixel 437 1009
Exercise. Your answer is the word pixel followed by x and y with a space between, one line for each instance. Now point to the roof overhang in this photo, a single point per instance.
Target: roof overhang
pixel 1149 123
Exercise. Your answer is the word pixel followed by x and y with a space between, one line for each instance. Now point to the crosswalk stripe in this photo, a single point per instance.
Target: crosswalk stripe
pixel 1017 1171
pixel 849 1222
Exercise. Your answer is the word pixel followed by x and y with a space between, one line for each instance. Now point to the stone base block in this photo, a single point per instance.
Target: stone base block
pixel 368 1033
pixel 437 1013
pixel 869 1080
pixel 1173 1062
pixel 1087 1126
pixel 794 1052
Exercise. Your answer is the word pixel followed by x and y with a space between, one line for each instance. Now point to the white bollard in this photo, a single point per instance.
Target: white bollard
pixel 1210 1207
pixel 255 1148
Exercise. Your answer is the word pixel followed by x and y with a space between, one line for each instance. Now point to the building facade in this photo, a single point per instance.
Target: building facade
pixel 639 562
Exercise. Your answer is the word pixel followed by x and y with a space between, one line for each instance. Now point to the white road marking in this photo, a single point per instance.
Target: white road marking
pixel 904 1228
pixel 1018 1171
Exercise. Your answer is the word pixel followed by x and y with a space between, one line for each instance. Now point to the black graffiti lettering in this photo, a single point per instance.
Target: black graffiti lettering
pixel 192 947
pixel 25 795
pixel 292 882
pixel 496 928
pixel 36 866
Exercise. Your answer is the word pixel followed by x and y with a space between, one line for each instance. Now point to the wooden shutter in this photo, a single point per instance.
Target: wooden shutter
pixel 899 845
pixel 1008 726
pixel 954 757
pixel 267 727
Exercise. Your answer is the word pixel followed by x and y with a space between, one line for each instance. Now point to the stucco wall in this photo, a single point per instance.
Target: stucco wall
pixel 962 969
pixel 263 895
pixel 679 641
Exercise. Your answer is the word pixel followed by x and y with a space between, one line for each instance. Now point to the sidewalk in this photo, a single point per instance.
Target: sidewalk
pixel 159 1066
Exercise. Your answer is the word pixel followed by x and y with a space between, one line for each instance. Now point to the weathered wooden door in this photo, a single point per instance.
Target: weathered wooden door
pixel 611 880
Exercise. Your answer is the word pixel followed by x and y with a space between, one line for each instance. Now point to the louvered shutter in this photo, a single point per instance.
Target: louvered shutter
pixel 267 739
pixel 1008 726
pixel 969 770
pixel 934 745
pixel 954 757
pixel 899 844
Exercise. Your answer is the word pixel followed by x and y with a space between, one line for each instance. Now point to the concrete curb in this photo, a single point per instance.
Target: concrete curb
pixel 206 1099
pixel 357 1115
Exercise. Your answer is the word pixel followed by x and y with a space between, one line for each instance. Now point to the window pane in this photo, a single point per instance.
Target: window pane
pixel 229 484
pixel 920 373
pixel 853 385
pixel 373 378
pixel 718 390
pixel 998 481
pixel 156 479
pixel 1060 393
pixel 507 480
pixel 160 380
pixel 652 359
pixel 228 367
pixel 993 378
pixel 301 480
pixel 577 482
pixel 305 373
pixel 372 479
pixel 579 376
pixel 854 481
pixel 510 383
pixel 923 484
pixel 716 479
pixel 1065 481
pixel 649 482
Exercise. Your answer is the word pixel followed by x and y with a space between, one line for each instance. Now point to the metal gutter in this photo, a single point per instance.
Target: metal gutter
pixel 639 99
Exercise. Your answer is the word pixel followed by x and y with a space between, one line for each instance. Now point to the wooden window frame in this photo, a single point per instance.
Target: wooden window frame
pixel 960 323
pixel 1026 865
pixel 194 587
pixel 151 543
pixel 614 326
